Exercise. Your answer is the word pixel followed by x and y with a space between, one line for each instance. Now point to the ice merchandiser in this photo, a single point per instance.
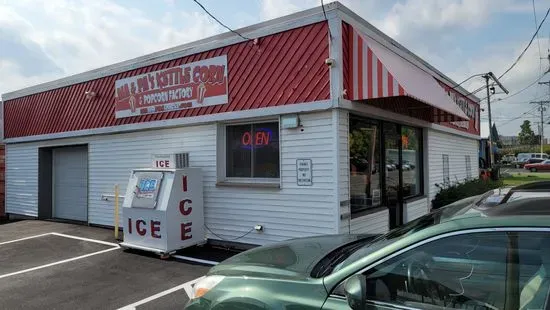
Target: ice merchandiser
pixel 163 209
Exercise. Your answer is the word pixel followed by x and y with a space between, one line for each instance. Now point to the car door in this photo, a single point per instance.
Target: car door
pixel 480 269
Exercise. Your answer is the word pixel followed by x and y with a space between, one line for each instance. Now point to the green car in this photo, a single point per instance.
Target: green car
pixel 456 257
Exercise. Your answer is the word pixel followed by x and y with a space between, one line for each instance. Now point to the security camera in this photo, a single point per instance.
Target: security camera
pixel 89 94
pixel 329 62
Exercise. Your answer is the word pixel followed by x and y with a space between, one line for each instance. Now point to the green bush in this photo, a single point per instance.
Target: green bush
pixel 451 193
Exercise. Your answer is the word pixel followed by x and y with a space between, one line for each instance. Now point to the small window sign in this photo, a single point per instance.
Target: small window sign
pixel 303 172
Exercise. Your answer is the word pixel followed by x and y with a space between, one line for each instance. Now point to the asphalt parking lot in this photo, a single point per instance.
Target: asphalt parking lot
pixel 50 265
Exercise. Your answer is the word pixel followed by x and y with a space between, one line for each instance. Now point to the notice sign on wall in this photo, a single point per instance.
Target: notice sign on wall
pixel 303 172
pixel 192 85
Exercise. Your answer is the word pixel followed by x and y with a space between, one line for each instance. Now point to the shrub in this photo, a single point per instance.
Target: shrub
pixel 450 193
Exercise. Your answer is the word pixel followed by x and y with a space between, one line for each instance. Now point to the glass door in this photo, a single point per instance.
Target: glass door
pixel 393 173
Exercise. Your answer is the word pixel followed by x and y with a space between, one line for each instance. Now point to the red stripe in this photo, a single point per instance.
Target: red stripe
pixel 379 70
pixel 351 33
pixel 369 72
pixel 360 67
pixel 401 90
pixel 390 85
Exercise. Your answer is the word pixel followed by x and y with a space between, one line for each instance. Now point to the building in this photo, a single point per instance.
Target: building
pixel 509 140
pixel 378 129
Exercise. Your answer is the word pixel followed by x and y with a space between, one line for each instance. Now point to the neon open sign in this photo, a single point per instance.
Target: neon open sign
pixel 260 138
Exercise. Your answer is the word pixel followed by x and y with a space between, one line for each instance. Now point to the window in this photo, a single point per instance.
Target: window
pixel 411 150
pixel 385 163
pixel 468 167
pixel 364 153
pixel 484 270
pixel 252 150
pixel 446 174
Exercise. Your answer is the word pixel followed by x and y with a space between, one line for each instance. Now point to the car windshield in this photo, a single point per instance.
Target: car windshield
pixel 349 254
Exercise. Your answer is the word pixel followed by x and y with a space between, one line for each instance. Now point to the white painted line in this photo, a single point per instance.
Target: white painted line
pixel 198 260
pixel 57 263
pixel 187 286
pixel 26 238
pixel 86 239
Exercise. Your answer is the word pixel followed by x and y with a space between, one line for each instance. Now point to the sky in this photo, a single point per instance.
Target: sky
pixel 43 40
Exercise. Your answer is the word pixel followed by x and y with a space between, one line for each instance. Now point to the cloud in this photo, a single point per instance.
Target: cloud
pixel 76 36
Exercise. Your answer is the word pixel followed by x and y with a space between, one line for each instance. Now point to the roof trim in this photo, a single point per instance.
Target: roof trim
pixel 270 27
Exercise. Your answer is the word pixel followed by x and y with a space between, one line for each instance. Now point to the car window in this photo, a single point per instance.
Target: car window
pixel 489 270
pixel 523 195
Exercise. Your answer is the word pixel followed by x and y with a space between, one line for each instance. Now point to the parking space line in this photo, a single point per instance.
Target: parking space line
pixel 26 238
pixel 197 260
pixel 85 239
pixel 187 286
pixel 58 262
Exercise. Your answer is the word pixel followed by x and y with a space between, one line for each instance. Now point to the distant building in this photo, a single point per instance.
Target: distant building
pixel 509 140
pixel 514 140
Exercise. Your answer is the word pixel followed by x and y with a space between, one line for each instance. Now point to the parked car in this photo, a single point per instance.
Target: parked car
pixel 529 161
pixel 455 257
pixel 540 166
pixel 506 194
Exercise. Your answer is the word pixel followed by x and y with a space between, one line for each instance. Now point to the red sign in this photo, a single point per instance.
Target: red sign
pixel 469 107
pixel 196 84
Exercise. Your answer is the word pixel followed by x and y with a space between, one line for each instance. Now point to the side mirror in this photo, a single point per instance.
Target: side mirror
pixel 355 291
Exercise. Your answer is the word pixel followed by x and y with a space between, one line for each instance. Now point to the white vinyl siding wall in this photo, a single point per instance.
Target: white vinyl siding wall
pixel 290 212
pixel 415 209
pixel 457 148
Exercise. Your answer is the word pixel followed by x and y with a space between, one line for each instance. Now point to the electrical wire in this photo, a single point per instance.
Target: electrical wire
pixel 518 117
pixel 538 39
pixel 525 88
pixel 527 47
pixel 224 239
pixel 219 22
pixel 466 80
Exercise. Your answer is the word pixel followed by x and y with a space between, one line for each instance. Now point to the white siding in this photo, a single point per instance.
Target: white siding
pixel 457 148
pixel 374 223
pixel 343 157
pixel 290 212
pixel 22 179
pixel 415 209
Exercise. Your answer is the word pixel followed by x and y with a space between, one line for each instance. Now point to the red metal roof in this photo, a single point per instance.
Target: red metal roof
pixel 286 68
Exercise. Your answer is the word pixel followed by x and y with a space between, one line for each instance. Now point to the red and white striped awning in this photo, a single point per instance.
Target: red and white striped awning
pixel 377 72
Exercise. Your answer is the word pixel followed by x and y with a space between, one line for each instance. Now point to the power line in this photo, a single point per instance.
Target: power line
pixel 518 117
pixel 466 80
pixel 538 39
pixel 219 22
pixel 528 45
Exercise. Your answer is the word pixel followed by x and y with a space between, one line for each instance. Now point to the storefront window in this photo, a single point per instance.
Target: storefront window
pixel 364 152
pixel 411 146
pixel 252 150
pixel 385 164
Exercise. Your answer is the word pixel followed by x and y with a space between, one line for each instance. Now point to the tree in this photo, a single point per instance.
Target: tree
pixel 496 136
pixel 526 135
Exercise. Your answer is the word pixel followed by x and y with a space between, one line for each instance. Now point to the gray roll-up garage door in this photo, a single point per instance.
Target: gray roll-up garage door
pixel 70 183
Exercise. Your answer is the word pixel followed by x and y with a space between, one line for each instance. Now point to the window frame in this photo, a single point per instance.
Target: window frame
pixel 381 147
pixel 221 154
pixel 339 286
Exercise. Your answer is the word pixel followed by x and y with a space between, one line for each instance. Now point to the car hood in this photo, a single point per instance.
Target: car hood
pixel 293 258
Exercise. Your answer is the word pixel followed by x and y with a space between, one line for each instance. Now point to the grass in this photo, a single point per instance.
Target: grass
pixel 525 177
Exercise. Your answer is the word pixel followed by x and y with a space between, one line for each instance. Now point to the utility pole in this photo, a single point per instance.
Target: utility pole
pixel 490 90
pixel 542 122
pixel 542 108
pixel 491 155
